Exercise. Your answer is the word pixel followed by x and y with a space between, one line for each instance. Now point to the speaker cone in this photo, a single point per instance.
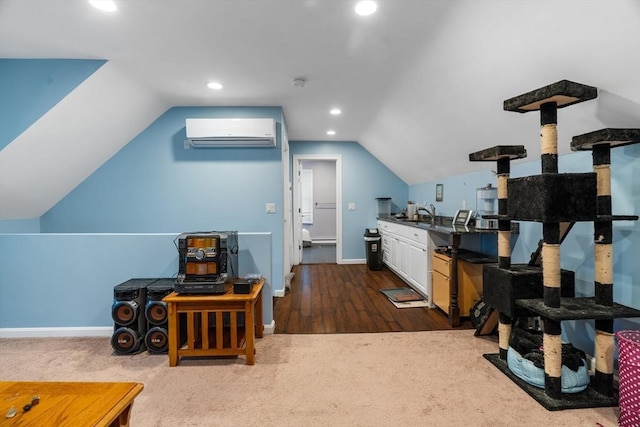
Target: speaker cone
pixel 124 312
pixel 156 312
pixel 125 340
pixel 157 340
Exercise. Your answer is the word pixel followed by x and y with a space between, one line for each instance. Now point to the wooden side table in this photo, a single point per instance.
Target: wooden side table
pixel 214 324
pixel 68 403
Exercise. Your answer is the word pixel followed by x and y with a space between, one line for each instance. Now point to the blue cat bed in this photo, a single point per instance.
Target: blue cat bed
pixel 572 381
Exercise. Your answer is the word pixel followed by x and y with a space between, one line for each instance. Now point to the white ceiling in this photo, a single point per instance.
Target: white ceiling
pixel 421 82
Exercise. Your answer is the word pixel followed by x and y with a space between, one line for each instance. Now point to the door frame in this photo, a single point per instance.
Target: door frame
pixel 297 212
pixel 287 210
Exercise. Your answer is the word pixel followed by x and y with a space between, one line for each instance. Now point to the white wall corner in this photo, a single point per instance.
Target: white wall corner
pixel 270 328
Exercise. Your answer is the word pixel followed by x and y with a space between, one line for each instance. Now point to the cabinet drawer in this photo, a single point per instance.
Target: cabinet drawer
pixel 440 290
pixel 441 264
pixel 415 234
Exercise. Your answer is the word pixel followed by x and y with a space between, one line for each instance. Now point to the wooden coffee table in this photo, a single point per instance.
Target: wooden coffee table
pixel 68 403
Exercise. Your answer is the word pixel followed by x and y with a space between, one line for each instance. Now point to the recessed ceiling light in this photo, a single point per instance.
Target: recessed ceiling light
pixel 335 111
pixel 104 5
pixel 331 132
pixel 366 7
pixel 214 85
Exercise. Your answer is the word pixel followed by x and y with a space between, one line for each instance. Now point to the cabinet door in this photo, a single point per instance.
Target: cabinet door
pixel 386 249
pixel 440 290
pixel 393 253
pixel 469 285
pixel 403 257
pixel 417 268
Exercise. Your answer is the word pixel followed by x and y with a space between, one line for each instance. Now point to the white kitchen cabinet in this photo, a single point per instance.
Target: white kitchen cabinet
pixel 417 269
pixel 402 249
pixel 405 252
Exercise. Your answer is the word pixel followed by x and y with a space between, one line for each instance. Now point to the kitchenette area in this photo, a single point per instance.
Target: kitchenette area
pixel 440 257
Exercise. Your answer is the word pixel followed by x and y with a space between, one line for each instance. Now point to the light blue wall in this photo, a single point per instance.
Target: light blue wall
pixel 67 280
pixel 31 225
pixel 30 87
pixel 363 179
pixel 577 249
pixel 154 185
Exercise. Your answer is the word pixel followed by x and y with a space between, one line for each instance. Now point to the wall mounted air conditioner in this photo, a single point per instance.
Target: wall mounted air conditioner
pixel 243 132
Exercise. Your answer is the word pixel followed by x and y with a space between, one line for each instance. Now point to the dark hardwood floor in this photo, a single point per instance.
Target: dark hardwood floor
pixel 346 298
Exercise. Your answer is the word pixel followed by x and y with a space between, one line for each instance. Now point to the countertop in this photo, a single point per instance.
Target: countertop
pixel 443 225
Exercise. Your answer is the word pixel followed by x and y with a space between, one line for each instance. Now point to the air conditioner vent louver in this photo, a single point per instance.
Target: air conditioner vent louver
pixel 245 132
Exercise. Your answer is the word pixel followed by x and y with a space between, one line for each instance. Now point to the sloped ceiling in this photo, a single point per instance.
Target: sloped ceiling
pixel 421 83
pixel 72 140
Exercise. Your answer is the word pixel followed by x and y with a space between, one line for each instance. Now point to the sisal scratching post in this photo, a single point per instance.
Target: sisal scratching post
pixel 603 277
pixel 552 358
pixel 503 155
pixel 504 250
pixel 600 142
pixel 551 256
pixel 504 225
pixel 603 233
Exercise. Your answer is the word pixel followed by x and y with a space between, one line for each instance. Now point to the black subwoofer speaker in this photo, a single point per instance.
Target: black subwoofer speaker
pixel 127 311
pixel 157 336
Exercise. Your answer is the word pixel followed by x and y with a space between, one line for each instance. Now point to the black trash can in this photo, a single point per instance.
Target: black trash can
pixel 373 243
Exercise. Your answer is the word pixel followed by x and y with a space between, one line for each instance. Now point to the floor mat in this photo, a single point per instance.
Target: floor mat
pixel 401 294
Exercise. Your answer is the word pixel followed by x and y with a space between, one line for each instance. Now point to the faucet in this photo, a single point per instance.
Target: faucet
pixel 431 213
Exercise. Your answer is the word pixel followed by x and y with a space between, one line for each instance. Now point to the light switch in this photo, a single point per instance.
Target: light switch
pixel 351 206
pixel 270 208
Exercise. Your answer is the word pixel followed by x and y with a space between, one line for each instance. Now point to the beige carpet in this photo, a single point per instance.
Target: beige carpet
pixel 434 378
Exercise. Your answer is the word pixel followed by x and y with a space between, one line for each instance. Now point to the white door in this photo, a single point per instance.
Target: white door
pixel 306 195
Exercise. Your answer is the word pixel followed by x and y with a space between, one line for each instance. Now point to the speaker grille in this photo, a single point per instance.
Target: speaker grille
pixel 157 340
pixel 124 312
pixel 125 340
pixel 156 312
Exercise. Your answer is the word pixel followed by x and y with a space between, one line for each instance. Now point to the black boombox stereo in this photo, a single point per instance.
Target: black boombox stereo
pixel 206 260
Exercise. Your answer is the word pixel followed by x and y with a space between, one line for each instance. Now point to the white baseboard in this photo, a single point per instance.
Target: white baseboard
pixel 278 293
pixel 353 261
pixel 324 241
pixel 270 328
pixel 97 331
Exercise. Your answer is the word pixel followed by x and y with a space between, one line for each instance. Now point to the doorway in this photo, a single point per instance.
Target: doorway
pixel 317 207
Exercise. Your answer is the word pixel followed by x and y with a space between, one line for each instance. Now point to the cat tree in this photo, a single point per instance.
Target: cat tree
pixel 557 200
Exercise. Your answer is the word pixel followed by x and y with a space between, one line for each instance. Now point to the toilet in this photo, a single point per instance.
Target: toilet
pixel 306 238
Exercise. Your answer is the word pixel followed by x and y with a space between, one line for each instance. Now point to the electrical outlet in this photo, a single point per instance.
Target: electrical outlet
pixel 270 208
pixel 351 206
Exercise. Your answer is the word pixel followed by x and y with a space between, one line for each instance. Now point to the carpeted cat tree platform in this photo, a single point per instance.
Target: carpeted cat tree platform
pixel 557 200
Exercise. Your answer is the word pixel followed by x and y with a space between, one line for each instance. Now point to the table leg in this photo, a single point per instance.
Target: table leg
pixel 173 334
pixel 259 322
pixel 122 420
pixel 249 332
pixel 454 308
